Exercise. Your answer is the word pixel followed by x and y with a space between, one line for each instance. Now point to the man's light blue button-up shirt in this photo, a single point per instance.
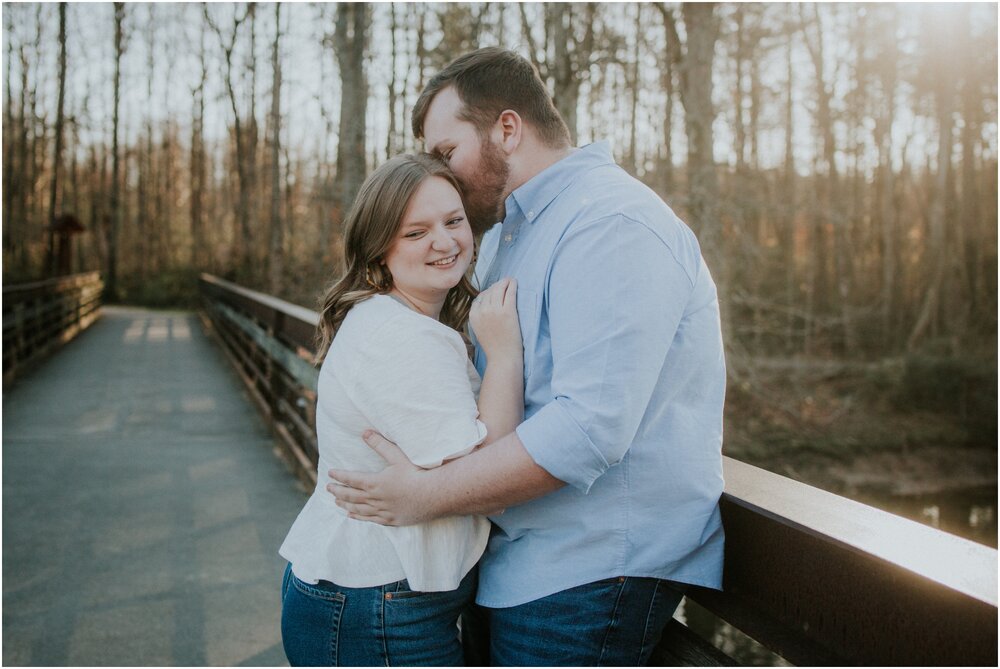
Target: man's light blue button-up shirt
pixel 624 385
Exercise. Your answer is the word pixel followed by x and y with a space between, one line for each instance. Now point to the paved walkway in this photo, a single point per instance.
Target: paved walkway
pixel 142 504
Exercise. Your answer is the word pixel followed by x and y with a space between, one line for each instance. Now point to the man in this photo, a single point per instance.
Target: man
pixel 611 484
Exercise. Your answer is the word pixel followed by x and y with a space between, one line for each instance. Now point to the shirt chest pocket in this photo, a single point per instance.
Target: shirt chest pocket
pixel 528 314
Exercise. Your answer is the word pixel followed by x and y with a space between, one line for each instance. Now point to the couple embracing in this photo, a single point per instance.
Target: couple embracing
pixel 558 490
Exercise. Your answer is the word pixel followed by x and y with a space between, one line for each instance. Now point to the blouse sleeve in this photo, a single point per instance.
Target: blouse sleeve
pixel 412 380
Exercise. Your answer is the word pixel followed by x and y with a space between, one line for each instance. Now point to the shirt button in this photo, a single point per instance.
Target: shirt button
pixel 531 214
pixel 508 237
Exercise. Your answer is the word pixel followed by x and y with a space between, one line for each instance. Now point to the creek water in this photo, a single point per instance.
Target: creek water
pixel 969 513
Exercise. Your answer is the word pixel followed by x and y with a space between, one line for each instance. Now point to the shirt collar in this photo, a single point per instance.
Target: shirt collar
pixel 536 194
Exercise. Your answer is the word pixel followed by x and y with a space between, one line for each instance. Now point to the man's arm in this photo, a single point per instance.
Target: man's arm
pixel 494 477
pixel 622 293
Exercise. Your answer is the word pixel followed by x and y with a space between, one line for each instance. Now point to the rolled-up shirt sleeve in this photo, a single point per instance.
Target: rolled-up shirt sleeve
pixel 413 380
pixel 615 298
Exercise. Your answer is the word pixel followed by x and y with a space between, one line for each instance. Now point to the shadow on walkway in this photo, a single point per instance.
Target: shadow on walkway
pixel 142 504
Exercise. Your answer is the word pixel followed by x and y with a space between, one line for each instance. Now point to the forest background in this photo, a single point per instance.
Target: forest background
pixel 838 163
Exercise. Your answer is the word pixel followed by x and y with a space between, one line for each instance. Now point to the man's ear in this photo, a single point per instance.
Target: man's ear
pixel 509 129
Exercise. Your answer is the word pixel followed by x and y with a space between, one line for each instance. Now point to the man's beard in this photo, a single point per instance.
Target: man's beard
pixel 484 191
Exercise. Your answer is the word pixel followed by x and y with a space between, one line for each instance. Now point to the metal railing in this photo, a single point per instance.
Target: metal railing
pixel 39 317
pixel 814 577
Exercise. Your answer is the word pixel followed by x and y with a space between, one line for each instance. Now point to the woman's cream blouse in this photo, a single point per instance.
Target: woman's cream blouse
pixel 408 377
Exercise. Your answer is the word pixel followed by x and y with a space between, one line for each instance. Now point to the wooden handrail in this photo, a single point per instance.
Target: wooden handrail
pixel 814 577
pixel 271 344
pixel 41 316
pixel 821 579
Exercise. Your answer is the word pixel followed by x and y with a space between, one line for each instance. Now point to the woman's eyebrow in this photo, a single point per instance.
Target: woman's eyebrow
pixel 453 212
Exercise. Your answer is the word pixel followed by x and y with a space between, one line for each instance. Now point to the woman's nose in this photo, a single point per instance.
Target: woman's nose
pixel 442 239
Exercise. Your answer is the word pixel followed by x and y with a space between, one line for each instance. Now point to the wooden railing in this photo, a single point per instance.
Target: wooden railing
pixel 41 316
pixel 816 578
pixel 824 580
pixel 270 342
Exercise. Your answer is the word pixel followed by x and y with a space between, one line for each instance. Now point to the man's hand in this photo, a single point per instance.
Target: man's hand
pixel 389 497
pixel 494 477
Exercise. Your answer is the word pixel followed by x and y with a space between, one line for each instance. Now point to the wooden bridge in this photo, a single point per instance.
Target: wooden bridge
pixel 143 507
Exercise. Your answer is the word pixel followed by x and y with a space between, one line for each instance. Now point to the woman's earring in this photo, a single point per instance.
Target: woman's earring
pixel 380 285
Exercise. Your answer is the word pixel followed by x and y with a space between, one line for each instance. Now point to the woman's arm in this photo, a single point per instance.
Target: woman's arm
pixel 501 397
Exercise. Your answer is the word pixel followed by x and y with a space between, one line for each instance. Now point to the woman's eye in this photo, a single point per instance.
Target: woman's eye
pixel 416 234
pixel 455 221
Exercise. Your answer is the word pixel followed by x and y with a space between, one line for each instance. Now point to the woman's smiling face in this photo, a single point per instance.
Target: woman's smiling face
pixel 433 246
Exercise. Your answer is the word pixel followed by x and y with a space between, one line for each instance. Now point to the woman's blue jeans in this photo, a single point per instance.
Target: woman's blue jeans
pixel 387 625
pixel 613 622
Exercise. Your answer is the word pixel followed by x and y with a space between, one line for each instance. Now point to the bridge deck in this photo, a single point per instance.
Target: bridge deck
pixel 140 522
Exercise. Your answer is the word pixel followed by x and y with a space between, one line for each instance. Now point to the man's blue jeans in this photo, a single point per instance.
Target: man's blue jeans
pixel 613 622
pixel 387 625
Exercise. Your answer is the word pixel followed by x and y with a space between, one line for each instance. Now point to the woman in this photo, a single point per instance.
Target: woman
pixel 358 593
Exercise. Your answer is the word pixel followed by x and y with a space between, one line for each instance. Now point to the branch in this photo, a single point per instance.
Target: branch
pixel 532 47
pixel 674 47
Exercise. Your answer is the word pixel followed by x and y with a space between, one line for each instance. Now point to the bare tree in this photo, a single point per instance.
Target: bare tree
pixel 114 227
pixel 826 214
pixel 634 85
pixel 564 58
pixel 350 45
pixel 9 141
pixel 871 228
pixel 667 161
pixel 57 155
pixel 244 152
pixel 276 265
pixel 198 172
pixel 939 260
pixel 887 75
pixel 693 60
pixel 788 185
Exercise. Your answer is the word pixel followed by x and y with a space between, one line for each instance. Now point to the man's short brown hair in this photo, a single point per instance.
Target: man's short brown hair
pixel 488 81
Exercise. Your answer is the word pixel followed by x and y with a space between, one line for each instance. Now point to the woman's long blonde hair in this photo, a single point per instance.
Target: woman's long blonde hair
pixel 370 230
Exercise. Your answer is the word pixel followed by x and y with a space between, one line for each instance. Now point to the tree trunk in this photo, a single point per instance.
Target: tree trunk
pixel 693 59
pixel 9 145
pixel 739 129
pixel 667 163
pixel 788 208
pixel 392 140
pixel 351 44
pixel 276 253
pixel 571 58
pixel 827 201
pixel 248 191
pixel 145 216
pixel 197 175
pixel 886 211
pixel 970 203
pixel 114 226
pixel 634 87
pixel 241 238
pixel 936 244
pixel 938 252
pixel 57 156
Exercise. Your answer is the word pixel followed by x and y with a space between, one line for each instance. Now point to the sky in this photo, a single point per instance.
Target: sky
pixel 165 38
